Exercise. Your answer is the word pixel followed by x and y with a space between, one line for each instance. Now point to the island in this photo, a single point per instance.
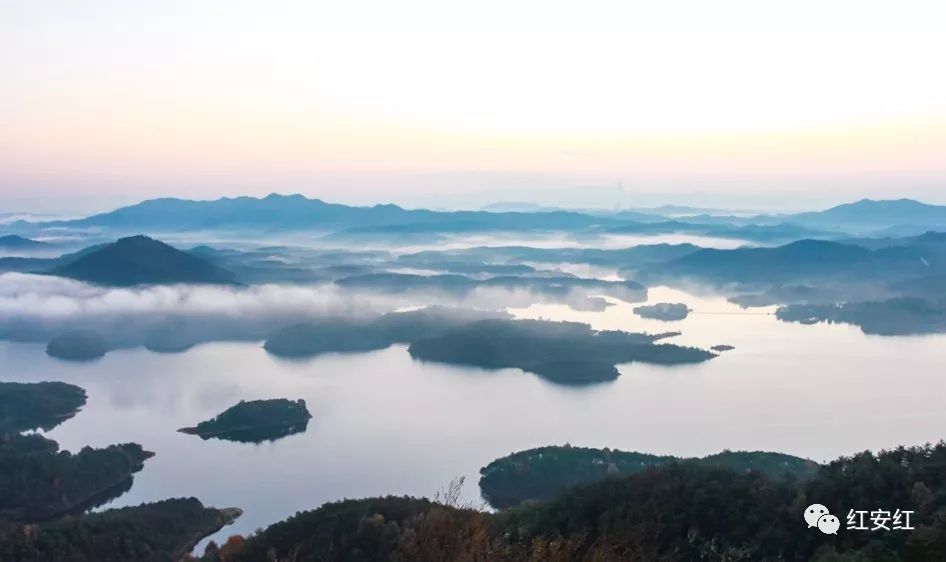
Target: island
pixel 722 347
pixel 42 405
pixel 545 472
pixel 892 317
pixel 39 482
pixel 162 531
pixel 255 421
pixel 665 311
pixel 561 352
pixel 81 345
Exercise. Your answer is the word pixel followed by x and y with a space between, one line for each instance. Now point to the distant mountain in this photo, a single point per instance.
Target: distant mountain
pixel 43 265
pixel 793 262
pixel 871 214
pixel 14 242
pixel 296 212
pixel 138 260
pixel 714 228
pixel 288 212
pixel 811 260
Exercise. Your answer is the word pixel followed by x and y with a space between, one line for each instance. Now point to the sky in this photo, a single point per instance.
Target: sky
pixel 765 105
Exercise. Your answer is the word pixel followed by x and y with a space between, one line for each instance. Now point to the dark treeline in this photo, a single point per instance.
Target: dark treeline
pixel 673 513
pixel 43 405
pixel 563 352
pixel 255 421
pixel 329 335
pixel 545 472
pixel 899 316
pixel 39 482
pixel 45 492
pixel 163 531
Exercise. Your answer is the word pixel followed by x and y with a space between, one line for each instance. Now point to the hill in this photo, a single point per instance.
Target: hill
pixel 546 472
pixel 869 214
pixel 163 531
pixel 677 512
pixel 139 260
pixel 809 261
pixel 289 212
pixel 561 352
pixel 14 242
pixel 255 421
pixel 42 405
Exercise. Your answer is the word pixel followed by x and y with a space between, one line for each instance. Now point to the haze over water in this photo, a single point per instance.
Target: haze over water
pixel 386 424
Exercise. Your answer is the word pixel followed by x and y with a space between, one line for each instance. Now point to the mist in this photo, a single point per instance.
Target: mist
pixel 36 308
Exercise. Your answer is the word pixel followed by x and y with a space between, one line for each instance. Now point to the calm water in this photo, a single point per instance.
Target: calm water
pixel 385 424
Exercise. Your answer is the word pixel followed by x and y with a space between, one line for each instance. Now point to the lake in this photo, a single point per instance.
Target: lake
pixel 385 424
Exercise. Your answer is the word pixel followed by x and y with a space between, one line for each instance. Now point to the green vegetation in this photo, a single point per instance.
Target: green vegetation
pixel 391 528
pixel 44 492
pixel 545 472
pixel 666 311
pixel 677 512
pixel 163 531
pixel 563 352
pixel 39 482
pixel 255 421
pixel 43 405
pixel 77 346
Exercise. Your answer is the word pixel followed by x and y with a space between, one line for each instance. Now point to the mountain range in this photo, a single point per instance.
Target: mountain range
pixel 296 212
pixel 14 242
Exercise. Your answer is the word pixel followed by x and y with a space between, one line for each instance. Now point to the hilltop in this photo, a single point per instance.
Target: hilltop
pixel 14 242
pixel 140 260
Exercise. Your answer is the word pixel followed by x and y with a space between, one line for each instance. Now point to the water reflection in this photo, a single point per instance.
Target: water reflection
pixel 385 424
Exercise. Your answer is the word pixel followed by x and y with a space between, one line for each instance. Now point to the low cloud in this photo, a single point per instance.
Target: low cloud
pixel 39 307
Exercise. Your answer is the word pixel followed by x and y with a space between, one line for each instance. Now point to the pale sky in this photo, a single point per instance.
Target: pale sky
pixel 463 103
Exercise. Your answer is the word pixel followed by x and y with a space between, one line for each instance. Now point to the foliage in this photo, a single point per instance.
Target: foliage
pixel 679 511
pixel 256 420
pixel 545 472
pixel 157 532
pixel 38 483
pixel 898 316
pixel 564 352
pixel 43 405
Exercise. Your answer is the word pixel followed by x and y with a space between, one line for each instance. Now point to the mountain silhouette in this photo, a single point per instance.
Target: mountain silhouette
pixel 140 260
pixel 14 242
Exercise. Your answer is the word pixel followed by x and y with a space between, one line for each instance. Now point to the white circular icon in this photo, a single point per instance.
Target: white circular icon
pixel 813 513
pixel 829 524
